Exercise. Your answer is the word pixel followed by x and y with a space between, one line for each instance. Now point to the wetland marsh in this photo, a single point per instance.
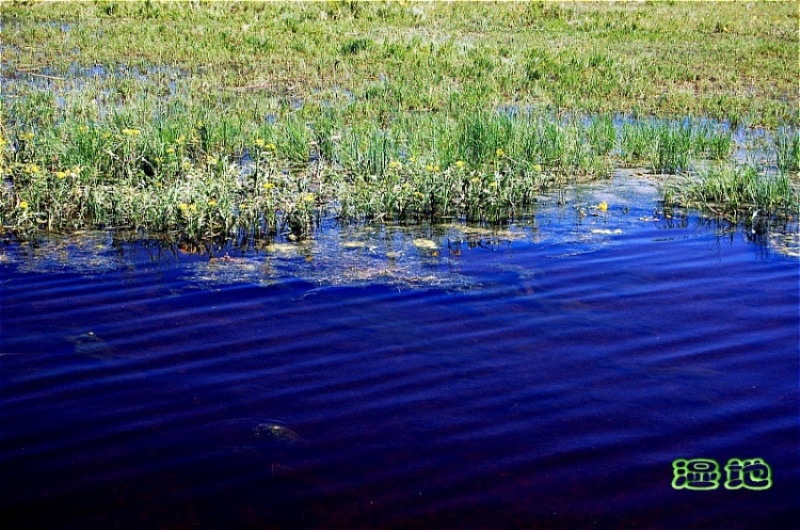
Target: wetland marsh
pixel 397 264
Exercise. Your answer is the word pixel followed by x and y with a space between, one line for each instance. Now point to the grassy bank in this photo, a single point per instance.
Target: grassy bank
pixel 206 119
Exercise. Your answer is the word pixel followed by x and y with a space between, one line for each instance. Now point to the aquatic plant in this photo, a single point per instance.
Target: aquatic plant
pixel 205 140
pixel 729 189
pixel 787 150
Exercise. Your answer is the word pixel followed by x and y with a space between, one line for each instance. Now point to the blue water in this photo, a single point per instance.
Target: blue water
pixel 542 375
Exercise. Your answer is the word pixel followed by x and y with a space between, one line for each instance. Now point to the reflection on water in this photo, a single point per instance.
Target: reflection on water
pixel 541 374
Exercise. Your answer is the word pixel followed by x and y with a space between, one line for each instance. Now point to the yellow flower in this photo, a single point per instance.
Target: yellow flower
pixel 33 168
pixel 23 205
pixel 186 164
pixel 268 185
pixel 494 184
pixel 181 139
pixel 83 128
pixel 199 124
pixel 61 174
pixel 475 180
pixel 309 197
pixel 170 150
pixel 500 152
pixel 260 142
pixel 211 159
pixel 271 147
pixel 537 168
pixel 183 206
pixel 131 132
pixel 413 159
pixel 436 168
pixel 212 202
pixel 603 206
pixel 418 195
pixel 460 164
pixel 429 168
pixel 394 164
pixel 193 207
pixel 27 136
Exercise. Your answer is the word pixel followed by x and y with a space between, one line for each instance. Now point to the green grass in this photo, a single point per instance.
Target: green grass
pixel 211 119
pixel 729 61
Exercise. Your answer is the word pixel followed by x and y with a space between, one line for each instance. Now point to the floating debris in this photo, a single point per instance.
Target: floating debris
pixel 426 244
pixel 275 432
pixel 90 345
pixel 606 231
pixel 353 244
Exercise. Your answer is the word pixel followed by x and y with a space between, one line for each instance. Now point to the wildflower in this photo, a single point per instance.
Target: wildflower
pixel 436 168
pixel 268 185
pixel 193 207
pixel 212 202
pixel 494 184
pixel 33 168
pixel 26 136
pixel 413 159
pixel 186 164
pixel 83 128
pixel 181 139
pixel 183 206
pixel 394 164
pixel 537 168
pixel 199 124
pixel 131 132
pixel 170 150
pixel 460 164
pixel 603 206
pixel 429 168
pixel 309 197
pixel 500 152
pixel 74 171
pixel 211 159
pixel 23 205
pixel 61 175
pixel 271 147
pixel 259 142
pixel 475 180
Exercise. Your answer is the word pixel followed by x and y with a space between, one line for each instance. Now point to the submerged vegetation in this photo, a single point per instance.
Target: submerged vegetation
pixel 209 120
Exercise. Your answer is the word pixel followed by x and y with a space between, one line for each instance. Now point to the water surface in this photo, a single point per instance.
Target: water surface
pixel 545 374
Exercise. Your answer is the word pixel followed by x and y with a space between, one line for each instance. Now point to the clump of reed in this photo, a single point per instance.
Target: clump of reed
pixel 729 189
pixel 196 170
pixel 787 150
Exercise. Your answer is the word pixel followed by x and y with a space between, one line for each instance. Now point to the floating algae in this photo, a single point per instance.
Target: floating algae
pixel 475 233
pixel 786 244
pixel 218 271
pixel 281 248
